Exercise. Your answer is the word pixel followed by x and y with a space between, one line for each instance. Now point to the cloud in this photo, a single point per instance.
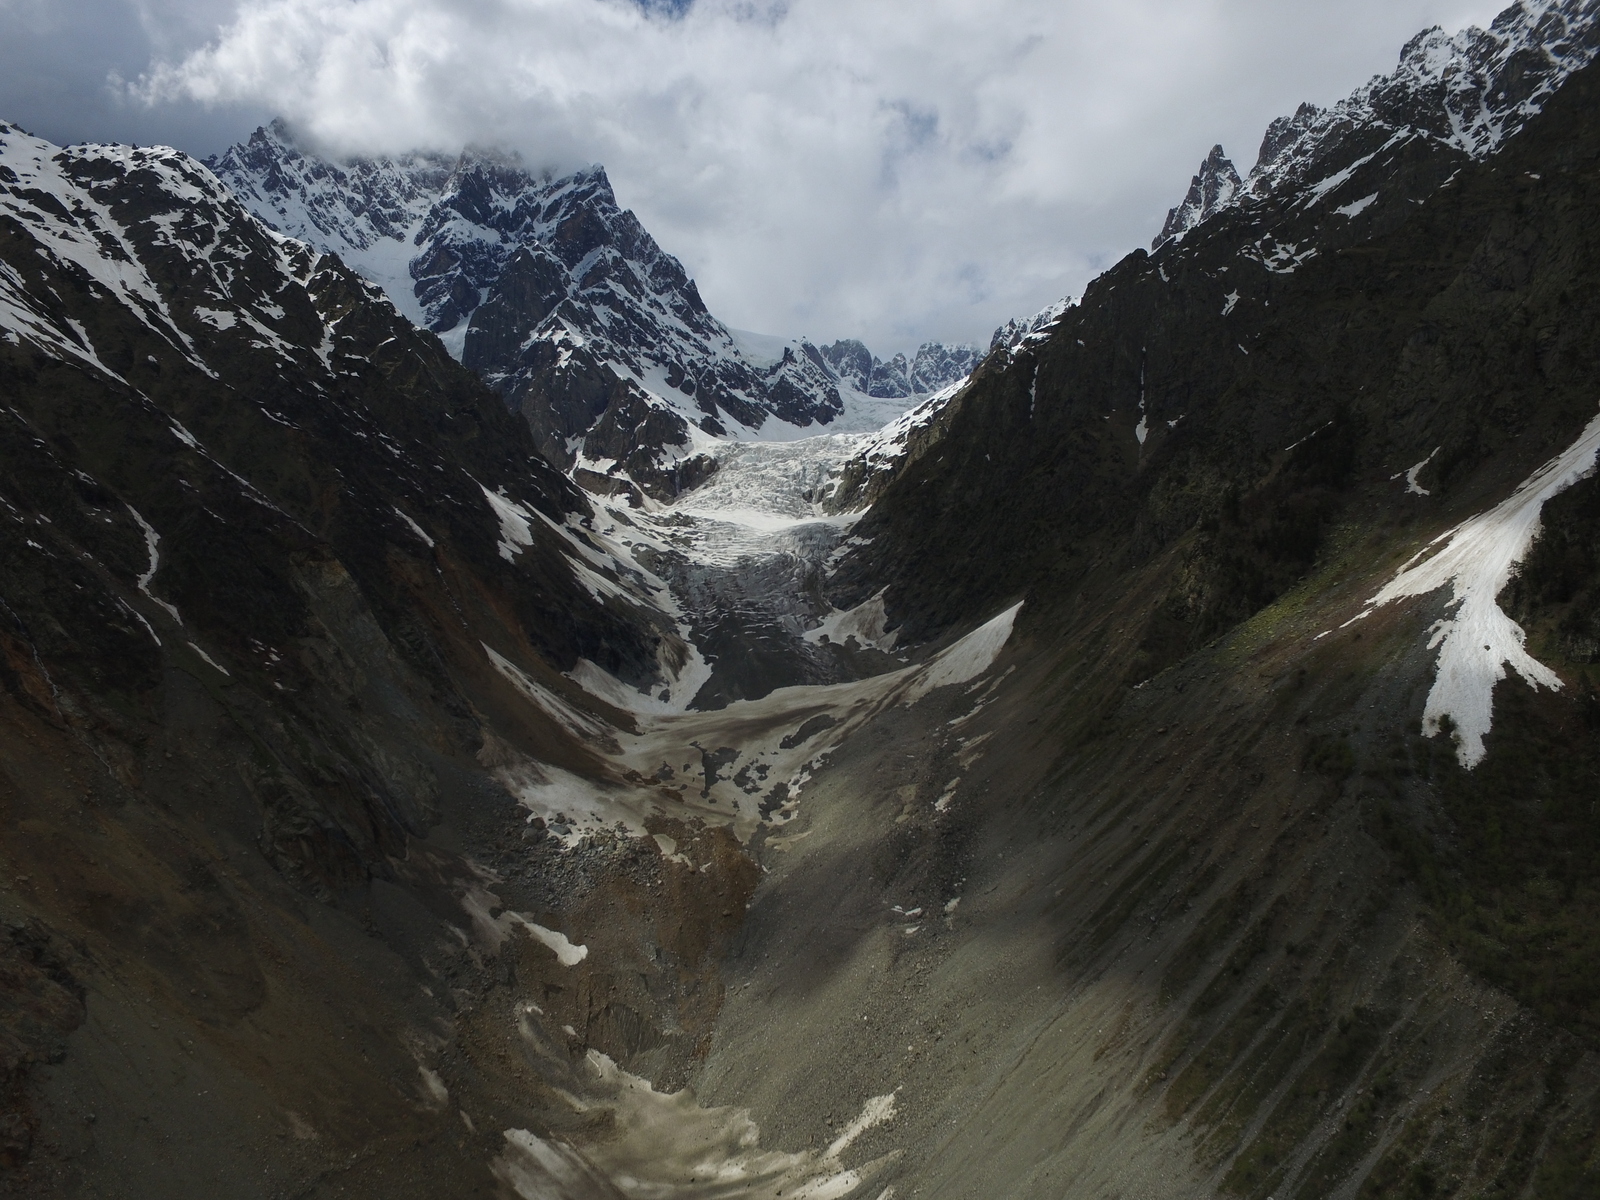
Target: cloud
pixel 835 167
pixel 62 63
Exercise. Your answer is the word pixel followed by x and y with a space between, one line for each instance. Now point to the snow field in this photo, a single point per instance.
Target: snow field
pixel 720 766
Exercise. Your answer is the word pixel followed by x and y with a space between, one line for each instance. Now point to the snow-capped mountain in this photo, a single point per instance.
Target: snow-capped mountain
pixel 250 397
pixel 65 200
pixel 1224 643
pixel 1469 91
pixel 874 460
pixel 1366 161
pixel 566 305
pixel 1459 96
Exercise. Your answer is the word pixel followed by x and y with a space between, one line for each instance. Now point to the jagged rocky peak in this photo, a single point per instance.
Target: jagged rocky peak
pixel 1477 87
pixel 357 202
pixel 1019 331
pixel 276 373
pixel 1283 134
pixel 852 362
pixel 1469 91
pixel 934 366
pixel 1214 187
pixel 435 230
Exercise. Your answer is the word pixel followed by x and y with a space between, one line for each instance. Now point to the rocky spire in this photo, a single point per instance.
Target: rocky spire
pixel 1212 189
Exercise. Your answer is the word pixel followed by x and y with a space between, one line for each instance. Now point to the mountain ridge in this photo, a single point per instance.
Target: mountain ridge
pixel 1469 91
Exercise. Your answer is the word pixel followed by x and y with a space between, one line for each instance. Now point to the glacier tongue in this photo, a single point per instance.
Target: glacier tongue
pixel 713 455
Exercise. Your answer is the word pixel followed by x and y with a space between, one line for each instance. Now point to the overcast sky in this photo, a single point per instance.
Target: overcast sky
pixel 893 171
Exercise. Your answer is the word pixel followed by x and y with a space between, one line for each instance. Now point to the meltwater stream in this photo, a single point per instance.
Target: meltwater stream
pixel 667 1147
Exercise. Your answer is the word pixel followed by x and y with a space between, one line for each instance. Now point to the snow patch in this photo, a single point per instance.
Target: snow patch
pixel 152 543
pixel 434 1088
pixel 1280 258
pixel 1479 640
pixel 876 1111
pixel 669 849
pixel 864 623
pixel 603 685
pixel 211 662
pixel 480 904
pixel 413 526
pixel 1356 207
pixel 579 724
pixel 567 954
pixel 1411 473
pixel 516 530
pixel 573 807
pixel 216 318
pixel 967 658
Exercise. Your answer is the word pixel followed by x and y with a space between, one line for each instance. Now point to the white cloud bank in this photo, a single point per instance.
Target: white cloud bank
pixel 832 167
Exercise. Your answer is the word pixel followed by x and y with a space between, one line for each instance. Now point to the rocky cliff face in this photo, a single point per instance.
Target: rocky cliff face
pixel 934 366
pixel 278 581
pixel 1451 98
pixel 1215 186
pixel 1258 255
